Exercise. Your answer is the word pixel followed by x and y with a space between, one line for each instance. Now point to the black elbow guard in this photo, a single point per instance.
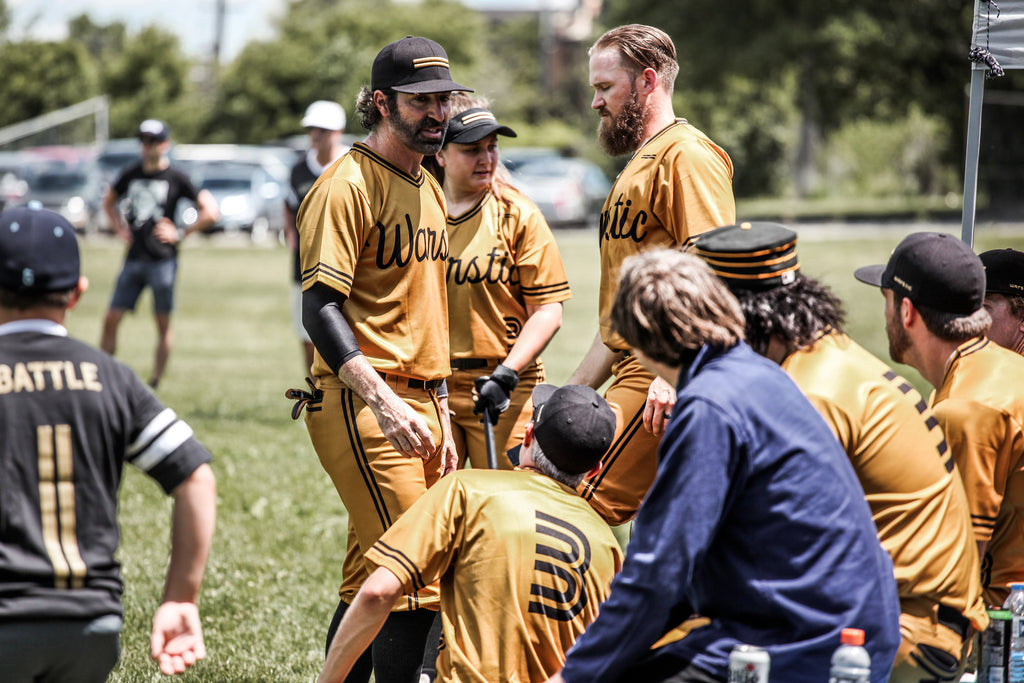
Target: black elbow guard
pixel 329 331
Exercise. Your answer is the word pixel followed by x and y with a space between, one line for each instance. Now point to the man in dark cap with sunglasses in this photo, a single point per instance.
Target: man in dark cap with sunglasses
pixel 524 562
pixel 148 193
pixel 374 248
pixel 934 289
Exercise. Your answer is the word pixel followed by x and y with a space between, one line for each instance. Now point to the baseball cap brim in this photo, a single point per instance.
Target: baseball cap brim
pixel 870 275
pixel 478 133
pixel 429 87
pixel 541 393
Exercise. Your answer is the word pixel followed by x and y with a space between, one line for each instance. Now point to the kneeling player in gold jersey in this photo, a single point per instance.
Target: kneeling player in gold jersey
pixel 523 561
pixel 894 442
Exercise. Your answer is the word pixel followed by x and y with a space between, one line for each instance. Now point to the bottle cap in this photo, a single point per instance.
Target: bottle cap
pixel 1017 586
pixel 852 636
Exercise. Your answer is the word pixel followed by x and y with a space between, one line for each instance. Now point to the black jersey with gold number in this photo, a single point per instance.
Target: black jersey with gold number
pixel 70 417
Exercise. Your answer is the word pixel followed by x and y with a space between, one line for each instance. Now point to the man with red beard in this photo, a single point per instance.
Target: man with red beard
pixel 374 249
pixel 934 289
pixel 677 184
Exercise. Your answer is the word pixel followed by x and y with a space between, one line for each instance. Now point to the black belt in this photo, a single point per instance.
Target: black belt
pixel 469 363
pixel 954 620
pixel 422 384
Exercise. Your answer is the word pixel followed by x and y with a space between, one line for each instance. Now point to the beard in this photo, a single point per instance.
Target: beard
pixel 899 340
pixel 409 132
pixel 622 134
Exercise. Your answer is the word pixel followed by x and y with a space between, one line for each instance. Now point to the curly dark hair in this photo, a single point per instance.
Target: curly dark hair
pixel 366 110
pixel 797 313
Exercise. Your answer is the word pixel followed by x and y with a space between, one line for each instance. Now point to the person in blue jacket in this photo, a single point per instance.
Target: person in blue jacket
pixel 756 520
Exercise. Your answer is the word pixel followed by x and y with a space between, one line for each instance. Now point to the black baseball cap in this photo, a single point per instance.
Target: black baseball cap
pixel 751 255
pixel 154 128
pixel 573 425
pixel 932 269
pixel 474 125
pixel 38 251
pixel 413 65
pixel 1004 271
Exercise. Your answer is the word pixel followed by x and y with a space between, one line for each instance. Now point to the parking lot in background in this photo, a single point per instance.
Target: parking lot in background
pixel 250 183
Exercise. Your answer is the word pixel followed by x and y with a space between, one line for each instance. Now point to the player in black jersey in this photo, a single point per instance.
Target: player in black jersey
pixel 70 417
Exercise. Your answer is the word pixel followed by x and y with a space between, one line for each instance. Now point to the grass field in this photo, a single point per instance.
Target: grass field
pixel 271 583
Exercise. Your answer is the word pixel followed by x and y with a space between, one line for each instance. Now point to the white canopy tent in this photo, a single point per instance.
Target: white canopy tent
pixel 997 43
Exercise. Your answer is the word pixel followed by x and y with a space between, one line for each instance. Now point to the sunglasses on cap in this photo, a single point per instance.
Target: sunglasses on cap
pixel 149 140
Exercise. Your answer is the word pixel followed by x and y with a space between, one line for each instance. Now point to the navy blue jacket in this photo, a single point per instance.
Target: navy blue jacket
pixel 755 520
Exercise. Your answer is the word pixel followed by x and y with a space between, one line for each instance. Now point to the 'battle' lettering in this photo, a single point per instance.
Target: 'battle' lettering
pixel 56 375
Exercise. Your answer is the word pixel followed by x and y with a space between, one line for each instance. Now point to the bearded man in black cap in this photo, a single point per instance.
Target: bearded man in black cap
pixel 523 560
pixel 374 249
pixel 934 289
pixel 892 439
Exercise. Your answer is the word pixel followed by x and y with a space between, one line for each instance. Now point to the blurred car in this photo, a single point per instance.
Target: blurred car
pixel 569 191
pixel 249 198
pixel 71 191
pixel 16 168
pixel 115 156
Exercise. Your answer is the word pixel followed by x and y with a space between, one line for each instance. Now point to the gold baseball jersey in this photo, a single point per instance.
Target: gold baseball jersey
pixel 377 235
pixel 676 186
pixel 523 562
pixel 905 467
pixel 981 407
pixel 502 256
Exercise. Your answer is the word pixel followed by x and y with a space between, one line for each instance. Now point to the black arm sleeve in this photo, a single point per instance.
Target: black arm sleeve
pixel 327 327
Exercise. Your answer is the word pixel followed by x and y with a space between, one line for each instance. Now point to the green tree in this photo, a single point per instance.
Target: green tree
pixel 837 62
pixel 101 40
pixel 324 51
pixel 5 18
pixel 43 76
pixel 148 77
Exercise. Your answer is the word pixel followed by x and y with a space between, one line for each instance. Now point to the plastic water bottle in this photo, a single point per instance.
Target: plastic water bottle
pixel 1015 604
pixel 851 663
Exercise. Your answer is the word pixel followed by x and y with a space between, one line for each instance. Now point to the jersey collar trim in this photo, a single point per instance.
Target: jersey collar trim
pixel 34 325
pixel 373 156
pixel 472 211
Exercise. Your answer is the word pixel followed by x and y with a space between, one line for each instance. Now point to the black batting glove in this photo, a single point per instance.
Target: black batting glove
pixel 493 392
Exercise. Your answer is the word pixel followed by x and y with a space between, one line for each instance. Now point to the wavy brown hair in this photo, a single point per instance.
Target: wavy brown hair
pixel 643 47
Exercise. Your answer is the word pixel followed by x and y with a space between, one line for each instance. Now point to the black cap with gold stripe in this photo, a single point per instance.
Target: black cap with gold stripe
pixel 413 65
pixel 751 255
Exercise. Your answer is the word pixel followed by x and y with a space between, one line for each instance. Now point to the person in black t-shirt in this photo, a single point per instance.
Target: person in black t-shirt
pixel 148 193
pixel 325 122
pixel 70 418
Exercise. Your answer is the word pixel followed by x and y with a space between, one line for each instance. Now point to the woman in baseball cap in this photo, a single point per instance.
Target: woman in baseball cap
pixel 506 284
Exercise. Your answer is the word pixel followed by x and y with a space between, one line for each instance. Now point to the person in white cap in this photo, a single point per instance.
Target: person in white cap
pixel 325 123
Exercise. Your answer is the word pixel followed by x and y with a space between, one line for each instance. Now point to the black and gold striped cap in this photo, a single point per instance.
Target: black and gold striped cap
pixel 751 255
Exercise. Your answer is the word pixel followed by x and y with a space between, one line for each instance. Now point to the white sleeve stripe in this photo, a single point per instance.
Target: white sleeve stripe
pixel 158 424
pixel 164 445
